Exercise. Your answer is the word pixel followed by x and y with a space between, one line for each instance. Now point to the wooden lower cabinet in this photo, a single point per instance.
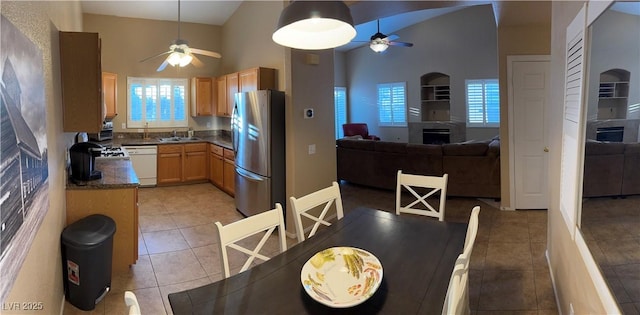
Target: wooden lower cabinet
pixel 182 163
pixel 121 205
pixel 229 172
pixel 195 162
pixel 169 164
pixel 216 165
pixel 222 168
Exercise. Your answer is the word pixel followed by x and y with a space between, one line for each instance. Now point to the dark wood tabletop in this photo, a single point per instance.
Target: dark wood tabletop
pixel 417 254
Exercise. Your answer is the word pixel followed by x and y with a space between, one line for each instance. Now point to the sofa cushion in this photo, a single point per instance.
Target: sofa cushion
pixel 603 148
pixel 465 149
pixel 392 147
pixel 632 149
pixel 367 145
pixel 424 149
pixel 494 148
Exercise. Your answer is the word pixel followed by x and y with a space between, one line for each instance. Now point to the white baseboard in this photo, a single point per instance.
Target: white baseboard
pixel 62 305
pixel 553 282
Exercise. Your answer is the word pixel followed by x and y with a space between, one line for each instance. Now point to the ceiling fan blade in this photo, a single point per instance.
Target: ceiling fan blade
pixel 393 37
pixel 163 65
pixel 196 62
pixel 158 55
pixel 206 53
pixel 401 44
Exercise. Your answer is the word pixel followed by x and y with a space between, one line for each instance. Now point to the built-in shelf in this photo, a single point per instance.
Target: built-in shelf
pixel 613 93
pixel 435 96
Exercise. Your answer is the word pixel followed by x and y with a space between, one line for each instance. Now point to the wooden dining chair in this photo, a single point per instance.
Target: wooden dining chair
pixel 454 303
pixel 472 232
pixel 301 208
pixel 132 302
pixel 457 299
pixel 420 205
pixel 265 222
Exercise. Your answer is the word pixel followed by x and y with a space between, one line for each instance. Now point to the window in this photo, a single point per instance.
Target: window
pixel 392 104
pixel 483 103
pixel 157 102
pixel 340 100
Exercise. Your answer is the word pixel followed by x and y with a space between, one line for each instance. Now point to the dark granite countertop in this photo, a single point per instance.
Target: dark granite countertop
pixel 222 141
pixel 115 174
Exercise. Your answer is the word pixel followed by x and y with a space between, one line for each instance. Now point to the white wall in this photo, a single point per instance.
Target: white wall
pixel 574 286
pixel 461 44
pixel 40 278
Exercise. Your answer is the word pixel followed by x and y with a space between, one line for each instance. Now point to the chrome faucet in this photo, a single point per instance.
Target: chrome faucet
pixel 174 133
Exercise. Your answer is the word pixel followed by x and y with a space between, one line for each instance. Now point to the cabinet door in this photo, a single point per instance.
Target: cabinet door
pixel 110 94
pixel 229 177
pixel 232 89
pixel 81 81
pixel 229 172
pixel 170 163
pixel 248 80
pixel 202 96
pixel 216 170
pixel 257 79
pixel 195 161
pixel 221 106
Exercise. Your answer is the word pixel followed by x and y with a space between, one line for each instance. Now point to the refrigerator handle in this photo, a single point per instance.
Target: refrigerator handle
pixel 248 175
pixel 234 127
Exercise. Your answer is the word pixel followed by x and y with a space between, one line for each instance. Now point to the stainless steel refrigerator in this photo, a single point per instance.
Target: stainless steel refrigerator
pixel 257 128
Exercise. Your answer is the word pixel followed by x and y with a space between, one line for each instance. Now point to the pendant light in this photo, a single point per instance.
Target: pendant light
pixel 314 25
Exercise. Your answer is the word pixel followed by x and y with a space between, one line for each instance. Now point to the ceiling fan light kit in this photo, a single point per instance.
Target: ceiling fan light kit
pixel 378 45
pixel 380 42
pixel 314 25
pixel 180 54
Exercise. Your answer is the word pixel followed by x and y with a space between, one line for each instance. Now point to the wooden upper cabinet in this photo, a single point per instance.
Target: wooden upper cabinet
pixel 81 78
pixel 221 106
pixel 244 81
pixel 257 79
pixel 110 94
pixel 203 96
pixel 232 89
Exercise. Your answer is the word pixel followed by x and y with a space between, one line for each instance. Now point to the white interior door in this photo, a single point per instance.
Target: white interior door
pixel 530 97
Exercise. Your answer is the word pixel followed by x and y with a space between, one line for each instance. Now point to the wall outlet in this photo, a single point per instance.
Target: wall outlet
pixel 124 125
pixel 312 149
pixel 209 125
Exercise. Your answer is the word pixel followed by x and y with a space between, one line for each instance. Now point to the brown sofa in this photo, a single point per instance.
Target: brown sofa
pixel 473 167
pixel 611 169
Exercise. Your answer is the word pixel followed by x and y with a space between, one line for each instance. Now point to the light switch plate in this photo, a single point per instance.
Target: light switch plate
pixel 312 149
pixel 308 113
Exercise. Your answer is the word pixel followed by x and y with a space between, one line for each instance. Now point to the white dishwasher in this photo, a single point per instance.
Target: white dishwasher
pixel 144 160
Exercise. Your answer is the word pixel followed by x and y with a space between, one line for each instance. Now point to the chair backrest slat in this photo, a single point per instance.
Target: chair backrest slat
pixel 410 181
pixel 301 206
pixel 265 222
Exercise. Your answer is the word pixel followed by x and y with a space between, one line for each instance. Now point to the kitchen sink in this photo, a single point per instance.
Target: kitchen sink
pixel 177 139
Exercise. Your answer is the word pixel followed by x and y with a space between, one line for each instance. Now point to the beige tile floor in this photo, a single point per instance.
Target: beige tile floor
pixel 611 228
pixel 509 273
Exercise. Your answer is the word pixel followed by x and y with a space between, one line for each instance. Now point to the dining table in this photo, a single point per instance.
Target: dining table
pixel 417 255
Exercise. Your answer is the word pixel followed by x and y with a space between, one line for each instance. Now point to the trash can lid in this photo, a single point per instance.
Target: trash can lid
pixel 89 231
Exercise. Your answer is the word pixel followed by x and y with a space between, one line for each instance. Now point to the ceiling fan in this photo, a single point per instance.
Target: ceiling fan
pixel 380 42
pixel 180 54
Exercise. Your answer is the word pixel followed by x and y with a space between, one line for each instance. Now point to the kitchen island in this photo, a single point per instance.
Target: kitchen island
pixel 116 196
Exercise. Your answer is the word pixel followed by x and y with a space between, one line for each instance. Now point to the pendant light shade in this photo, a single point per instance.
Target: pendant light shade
pixel 314 25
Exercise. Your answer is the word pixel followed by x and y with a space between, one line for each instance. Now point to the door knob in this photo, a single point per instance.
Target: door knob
pixel 546 149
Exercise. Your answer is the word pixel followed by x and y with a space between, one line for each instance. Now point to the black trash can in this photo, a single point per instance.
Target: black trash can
pixel 87 249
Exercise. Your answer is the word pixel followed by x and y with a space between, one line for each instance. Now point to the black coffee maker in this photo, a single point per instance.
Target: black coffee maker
pixel 83 160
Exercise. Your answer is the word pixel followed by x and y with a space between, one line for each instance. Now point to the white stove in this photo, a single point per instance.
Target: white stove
pixel 114 153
